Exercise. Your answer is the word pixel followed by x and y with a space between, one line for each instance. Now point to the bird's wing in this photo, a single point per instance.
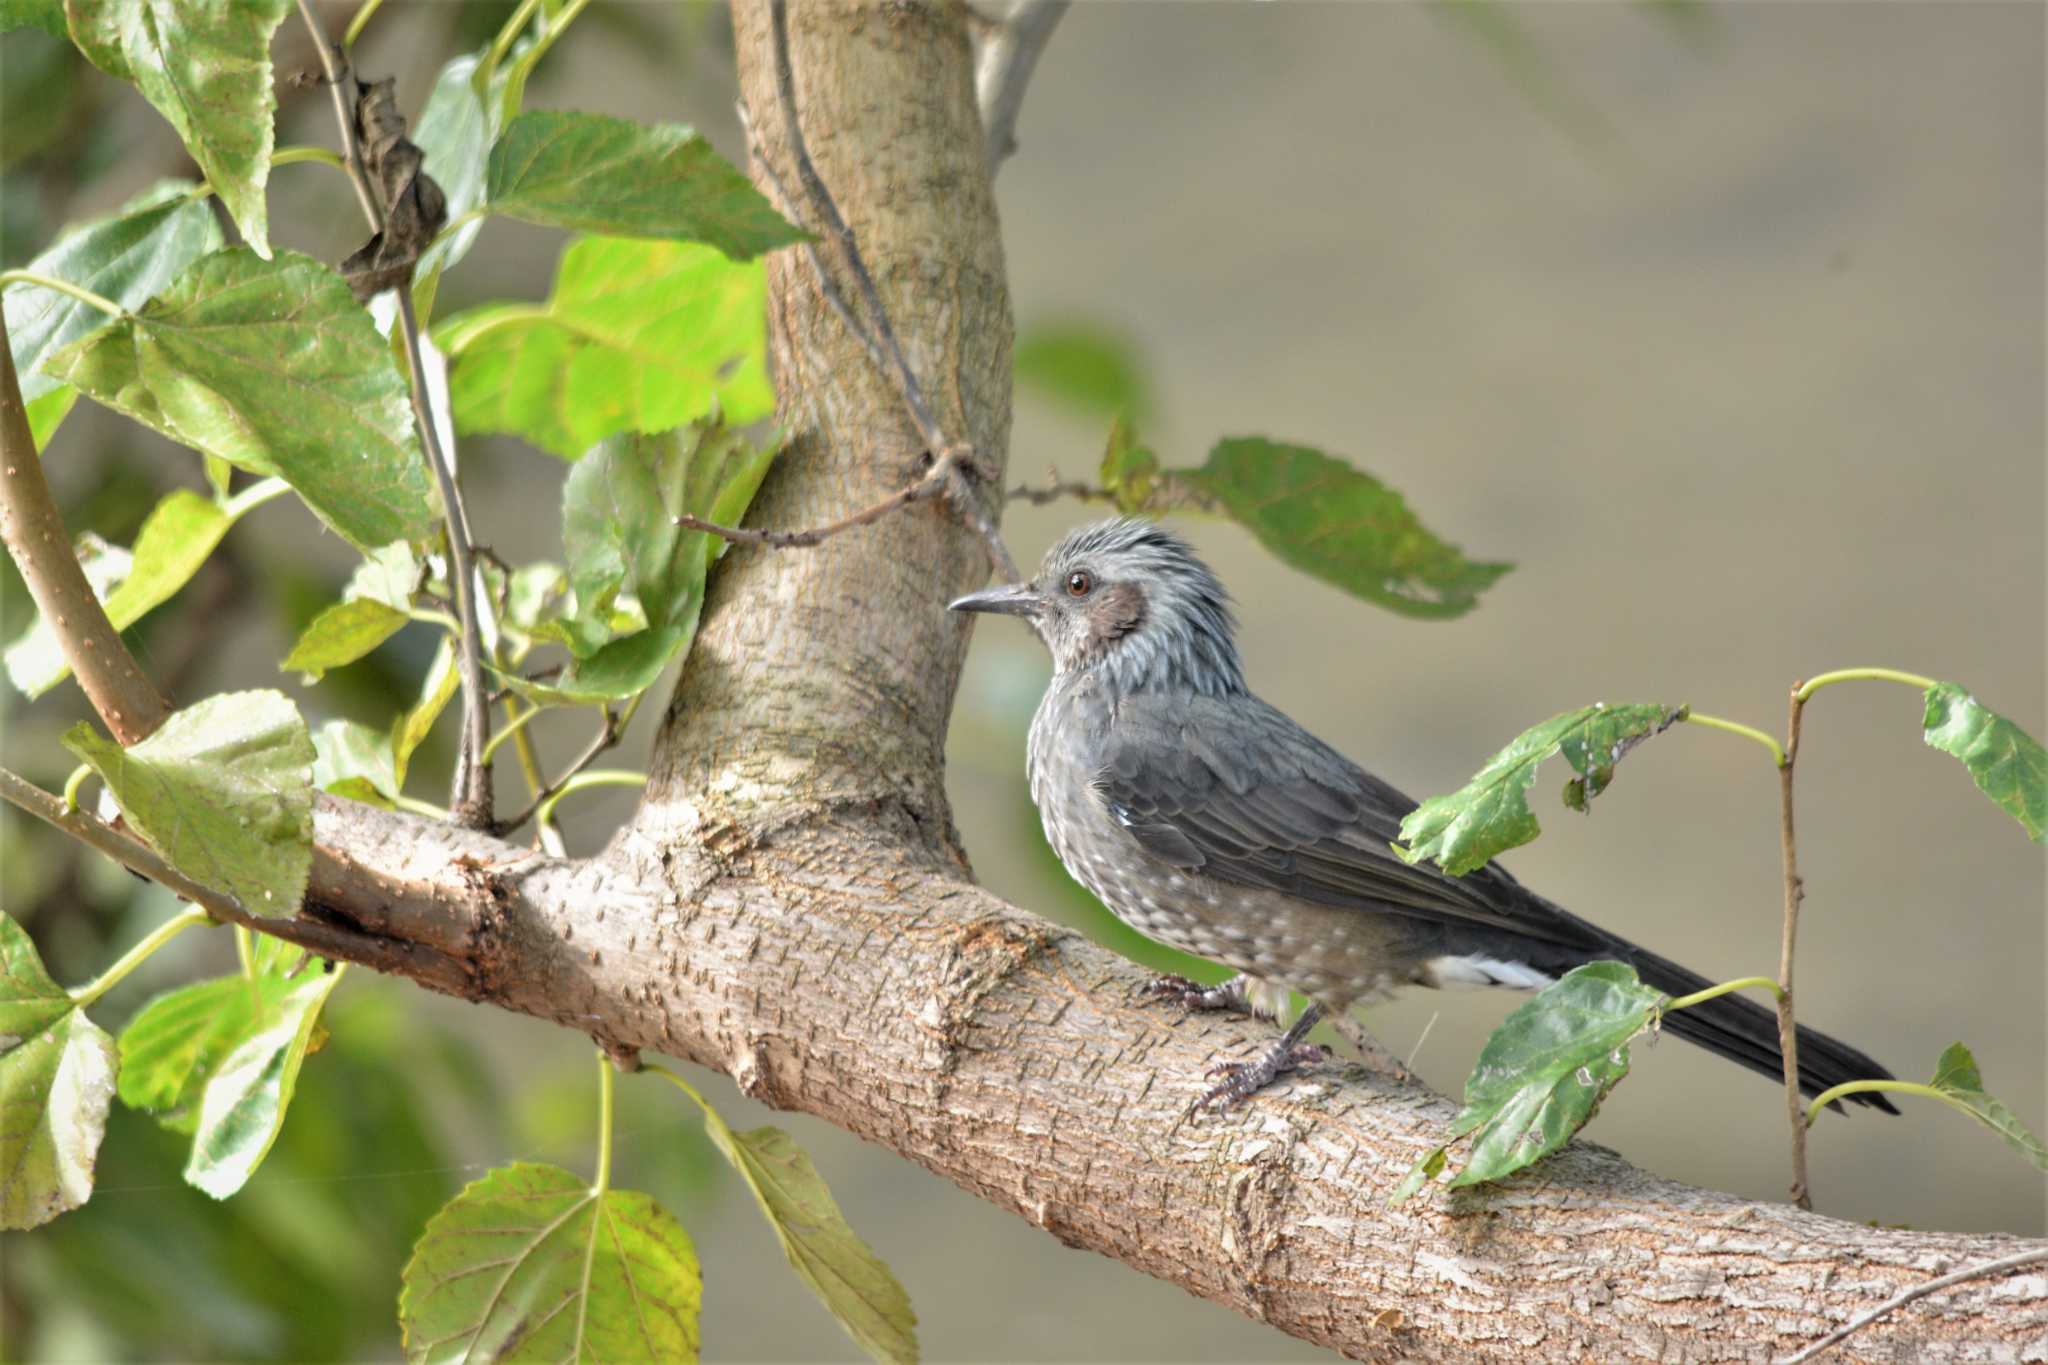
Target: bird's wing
pixel 1231 788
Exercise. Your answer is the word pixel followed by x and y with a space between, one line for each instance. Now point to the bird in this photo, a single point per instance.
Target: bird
pixel 1210 821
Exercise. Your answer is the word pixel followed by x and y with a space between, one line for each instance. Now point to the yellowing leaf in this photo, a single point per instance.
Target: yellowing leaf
pixel 638 336
pixel 205 65
pixel 56 1084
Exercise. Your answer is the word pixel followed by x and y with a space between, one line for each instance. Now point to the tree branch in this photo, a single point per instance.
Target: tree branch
pixel 128 704
pixel 470 804
pixel 1004 61
pixel 1022 1063
pixel 1795 892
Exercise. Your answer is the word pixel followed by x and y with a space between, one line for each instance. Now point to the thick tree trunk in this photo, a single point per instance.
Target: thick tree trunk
pixel 791 906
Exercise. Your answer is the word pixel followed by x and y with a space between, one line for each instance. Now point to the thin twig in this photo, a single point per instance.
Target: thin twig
pixel 128 703
pixel 610 733
pixel 786 206
pixel 951 460
pixel 835 224
pixel 1795 892
pixel 1003 67
pixel 334 67
pixel 470 802
pixel 2016 1261
pixel 1056 488
pixel 933 483
pixel 323 936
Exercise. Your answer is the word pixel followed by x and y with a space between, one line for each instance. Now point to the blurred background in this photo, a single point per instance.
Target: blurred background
pixel 1724 323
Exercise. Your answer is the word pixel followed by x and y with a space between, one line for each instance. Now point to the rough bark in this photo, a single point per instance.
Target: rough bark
pixel 791 906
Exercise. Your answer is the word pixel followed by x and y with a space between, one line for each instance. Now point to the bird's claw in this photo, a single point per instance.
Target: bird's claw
pixel 1193 995
pixel 1245 1079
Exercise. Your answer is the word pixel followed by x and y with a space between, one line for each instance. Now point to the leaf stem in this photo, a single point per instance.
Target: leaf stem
pixel 487 69
pixel 544 815
pixel 1777 751
pixel 1833 1093
pixel 245 950
pixel 356 25
pixel 254 496
pixel 136 956
pixel 1747 983
pixel 1795 892
pixel 76 783
pixel 657 1069
pixel 1840 675
pixel 605 1085
pixel 509 729
pixel 76 291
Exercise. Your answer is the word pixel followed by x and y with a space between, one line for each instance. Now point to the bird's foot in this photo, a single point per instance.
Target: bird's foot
pixel 1233 995
pixel 1242 1080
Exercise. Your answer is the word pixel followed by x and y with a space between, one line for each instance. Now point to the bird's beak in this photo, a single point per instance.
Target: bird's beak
pixel 1014 599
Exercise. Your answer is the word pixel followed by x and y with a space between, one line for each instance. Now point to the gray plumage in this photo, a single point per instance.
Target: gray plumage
pixel 1210 821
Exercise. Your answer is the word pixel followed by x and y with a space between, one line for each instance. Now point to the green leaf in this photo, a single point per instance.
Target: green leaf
pixel 532 1264
pixel 2006 763
pixel 638 336
pixel 342 634
pixel 1544 1071
pixel 600 174
pixel 1085 367
pixel 1327 519
pixel 1490 814
pixel 177 1042
pixel 56 1084
pixel 224 790
pixel 1128 469
pixel 180 532
pixel 47 413
pixel 205 65
pixel 618 527
pixel 389 574
pixel 47 15
pixel 244 1103
pixel 1956 1077
pixel 454 133
pixel 127 257
pixel 411 729
pixel 274 367
pixel 827 1255
pixel 355 761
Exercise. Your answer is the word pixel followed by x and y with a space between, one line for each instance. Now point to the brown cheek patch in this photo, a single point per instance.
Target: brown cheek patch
pixel 1117 610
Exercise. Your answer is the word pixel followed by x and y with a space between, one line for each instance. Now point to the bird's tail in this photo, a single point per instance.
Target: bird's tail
pixel 1745 1032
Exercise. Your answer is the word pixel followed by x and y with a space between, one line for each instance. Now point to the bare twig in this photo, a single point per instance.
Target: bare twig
pixel 470 803
pixel 786 206
pixel 1003 67
pixel 127 702
pixel 327 936
pixel 1795 892
pixel 951 460
pixel 1919 1291
pixel 609 733
pixel 1056 488
pixel 933 483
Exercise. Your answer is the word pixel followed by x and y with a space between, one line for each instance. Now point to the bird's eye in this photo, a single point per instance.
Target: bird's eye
pixel 1079 583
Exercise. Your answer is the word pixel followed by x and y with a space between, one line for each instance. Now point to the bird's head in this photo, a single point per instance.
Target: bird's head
pixel 1131 599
